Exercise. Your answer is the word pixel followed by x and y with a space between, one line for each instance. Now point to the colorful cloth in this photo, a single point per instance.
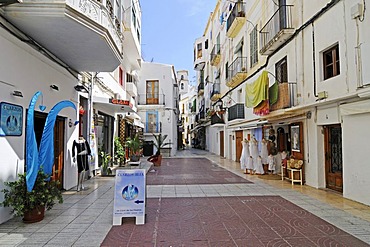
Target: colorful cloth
pixel 262 109
pixel 257 91
pixel 274 93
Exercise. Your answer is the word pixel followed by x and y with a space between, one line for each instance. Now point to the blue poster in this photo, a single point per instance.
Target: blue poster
pixel 129 195
pixel 11 119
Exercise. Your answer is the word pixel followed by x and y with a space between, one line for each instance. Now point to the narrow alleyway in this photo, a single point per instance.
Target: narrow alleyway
pixel 190 204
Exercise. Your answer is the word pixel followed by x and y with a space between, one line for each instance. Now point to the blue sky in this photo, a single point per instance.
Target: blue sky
pixel 169 29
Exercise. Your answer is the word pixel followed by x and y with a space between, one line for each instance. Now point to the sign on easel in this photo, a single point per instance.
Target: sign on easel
pixel 129 196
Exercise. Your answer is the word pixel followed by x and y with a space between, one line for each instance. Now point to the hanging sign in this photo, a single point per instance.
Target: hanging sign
pixel 129 195
pixel 11 123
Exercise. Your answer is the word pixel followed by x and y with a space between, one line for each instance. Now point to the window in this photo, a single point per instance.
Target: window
pixel 227 70
pixel 253 46
pixel 331 62
pixel 281 70
pixel 206 44
pixel 129 77
pixel 152 92
pixel 182 86
pixel 152 122
pixel 121 75
pixel 199 49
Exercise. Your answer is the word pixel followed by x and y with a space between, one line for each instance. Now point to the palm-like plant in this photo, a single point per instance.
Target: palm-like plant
pixel 160 142
pixel 134 144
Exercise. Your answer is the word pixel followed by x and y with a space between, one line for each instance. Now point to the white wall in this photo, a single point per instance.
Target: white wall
pixel 29 72
pixel 356 167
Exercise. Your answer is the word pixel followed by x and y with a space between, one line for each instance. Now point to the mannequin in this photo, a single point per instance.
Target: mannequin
pixel 254 153
pixel 264 154
pixel 272 163
pixel 244 156
pixel 83 150
pixel 258 166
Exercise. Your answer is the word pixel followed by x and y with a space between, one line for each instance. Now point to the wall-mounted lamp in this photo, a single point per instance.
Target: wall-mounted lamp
pixel 71 124
pixel 17 94
pixel 81 88
pixel 54 87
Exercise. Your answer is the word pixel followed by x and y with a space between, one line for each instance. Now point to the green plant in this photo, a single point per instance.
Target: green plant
pixel 105 159
pixel 160 142
pixel 44 193
pixel 119 151
pixel 134 144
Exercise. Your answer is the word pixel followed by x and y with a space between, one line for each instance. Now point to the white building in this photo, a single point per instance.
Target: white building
pixel 315 55
pixel 52 47
pixel 158 103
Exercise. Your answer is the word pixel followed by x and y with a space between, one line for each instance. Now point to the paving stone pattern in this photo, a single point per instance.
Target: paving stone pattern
pixel 228 221
pixel 191 171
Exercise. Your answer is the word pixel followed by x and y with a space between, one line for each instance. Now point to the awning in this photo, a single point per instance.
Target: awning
pixel 116 106
pixel 138 123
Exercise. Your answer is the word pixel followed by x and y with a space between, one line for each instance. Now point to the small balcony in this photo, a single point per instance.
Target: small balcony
pixel 153 127
pixel 286 96
pixel 82 34
pixel 217 118
pixel 201 89
pixel 216 55
pixel 237 72
pixel 131 88
pixel 277 30
pixel 236 112
pixel 151 99
pixel 201 116
pixel 216 91
pixel 236 20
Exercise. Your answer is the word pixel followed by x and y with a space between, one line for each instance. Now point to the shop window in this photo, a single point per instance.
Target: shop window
pixel 331 62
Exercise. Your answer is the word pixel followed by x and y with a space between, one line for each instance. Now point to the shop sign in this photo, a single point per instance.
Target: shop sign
pixel 129 195
pixel 120 102
pixel 11 116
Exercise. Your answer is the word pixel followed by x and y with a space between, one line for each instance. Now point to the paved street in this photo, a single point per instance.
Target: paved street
pixel 229 212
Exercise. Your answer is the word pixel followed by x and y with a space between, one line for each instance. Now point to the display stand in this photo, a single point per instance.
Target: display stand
pixel 290 173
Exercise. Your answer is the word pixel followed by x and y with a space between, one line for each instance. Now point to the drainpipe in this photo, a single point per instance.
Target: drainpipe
pixel 314 61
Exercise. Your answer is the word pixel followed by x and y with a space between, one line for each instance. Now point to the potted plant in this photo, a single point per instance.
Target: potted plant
pixel 105 159
pixel 31 205
pixel 159 143
pixel 134 144
pixel 119 151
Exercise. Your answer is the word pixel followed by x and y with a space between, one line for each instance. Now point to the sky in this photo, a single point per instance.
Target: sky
pixel 169 29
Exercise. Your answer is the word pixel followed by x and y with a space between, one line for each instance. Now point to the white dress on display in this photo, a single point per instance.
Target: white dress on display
pixel 245 155
pixel 272 163
pixel 259 166
pixel 254 152
pixel 264 152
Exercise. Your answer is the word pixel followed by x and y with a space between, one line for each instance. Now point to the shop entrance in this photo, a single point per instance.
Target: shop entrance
pixel 39 122
pixel 333 157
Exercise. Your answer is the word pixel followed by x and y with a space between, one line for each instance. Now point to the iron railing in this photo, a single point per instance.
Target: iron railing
pixel 238 66
pixel 237 11
pixel 216 50
pixel 151 99
pixel 281 19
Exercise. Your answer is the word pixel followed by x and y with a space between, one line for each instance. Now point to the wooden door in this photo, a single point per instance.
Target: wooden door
pixel 222 144
pixel 333 157
pixel 239 147
pixel 57 174
pixel 152 92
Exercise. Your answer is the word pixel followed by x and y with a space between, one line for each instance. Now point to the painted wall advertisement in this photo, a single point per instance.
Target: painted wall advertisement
pixel 129 195
pixel 11 123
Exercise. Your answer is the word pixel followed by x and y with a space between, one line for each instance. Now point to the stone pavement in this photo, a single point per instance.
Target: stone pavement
pixel 85 218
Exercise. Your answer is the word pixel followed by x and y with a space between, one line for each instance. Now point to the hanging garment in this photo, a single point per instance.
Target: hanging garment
pixel 257 91
pixel 254 152
pixel 264 152
pixel 83 150
pixel 259 166
pixel 274 93
pixel 245 154
pixel 262 109
pixel 272 163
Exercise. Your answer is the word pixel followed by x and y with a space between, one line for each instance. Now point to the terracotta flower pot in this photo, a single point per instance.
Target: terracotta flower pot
pixel 34 215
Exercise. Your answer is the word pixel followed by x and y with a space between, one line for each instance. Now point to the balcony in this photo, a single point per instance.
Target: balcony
pixel 153 127
pixel 201 116
pixel 81 33
pixel 236 112
pixel 216 91
pixel 131 88
pixel 217 118
pixel 277 30
pixel 216 55
pixel 236 20
pixel 237 72
pixel 286 96
pixel 150 99
pixel 201 89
